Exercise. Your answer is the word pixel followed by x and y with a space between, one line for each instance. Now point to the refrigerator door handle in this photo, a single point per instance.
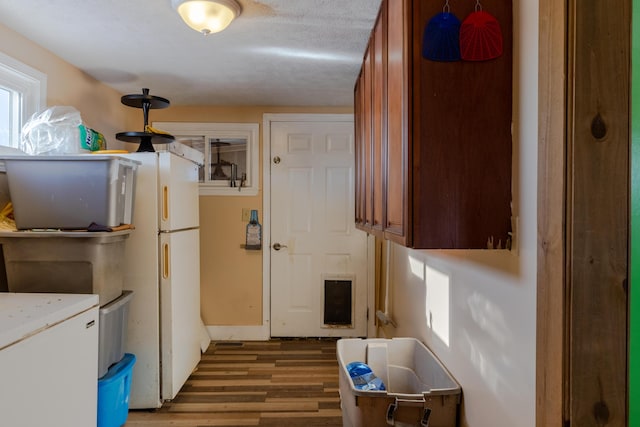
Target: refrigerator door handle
pixel 165 261
pixel 165 203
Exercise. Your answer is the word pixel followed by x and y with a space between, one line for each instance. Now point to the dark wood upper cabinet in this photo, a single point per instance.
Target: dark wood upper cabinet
pixel 358 129
pixel 368 134
pixel 378 135
pixel 397 171
pixel 370 131
pixel 446 153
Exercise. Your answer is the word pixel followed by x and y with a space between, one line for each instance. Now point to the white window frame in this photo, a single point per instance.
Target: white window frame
pixel 222 131
pixel 30 83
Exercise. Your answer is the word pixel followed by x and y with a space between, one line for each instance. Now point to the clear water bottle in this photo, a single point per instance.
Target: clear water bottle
pixel 363 377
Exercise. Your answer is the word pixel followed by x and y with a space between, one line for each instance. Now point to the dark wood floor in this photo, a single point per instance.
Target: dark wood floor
pixel 276 383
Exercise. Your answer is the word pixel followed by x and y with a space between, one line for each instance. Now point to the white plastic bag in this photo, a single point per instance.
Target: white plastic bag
pixel 52 131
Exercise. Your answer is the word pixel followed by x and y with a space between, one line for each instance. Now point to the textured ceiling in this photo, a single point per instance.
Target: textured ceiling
pixel 278 52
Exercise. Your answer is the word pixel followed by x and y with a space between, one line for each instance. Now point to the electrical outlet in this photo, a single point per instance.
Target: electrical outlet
pixel 246 214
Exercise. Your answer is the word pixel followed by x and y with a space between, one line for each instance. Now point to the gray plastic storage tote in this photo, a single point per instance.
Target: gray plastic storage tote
pixel 419 390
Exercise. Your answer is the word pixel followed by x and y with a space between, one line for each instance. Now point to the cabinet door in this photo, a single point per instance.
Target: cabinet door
pixel 364 153
pixel 367 128
pixel 371 133
pixel 460 142
pixel 378 137
pixel 359 118
pixel 397 202
pixel 356 146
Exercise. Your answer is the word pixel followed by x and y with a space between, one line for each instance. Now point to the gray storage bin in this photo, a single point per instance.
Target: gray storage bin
pixel 71 192
pixel 5 196
pixel 65 262
pixel 419 390
pixel 113 332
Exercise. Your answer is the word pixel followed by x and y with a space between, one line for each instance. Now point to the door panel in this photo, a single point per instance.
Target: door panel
pixel 180 308
pixel 178 180
pixel 312 205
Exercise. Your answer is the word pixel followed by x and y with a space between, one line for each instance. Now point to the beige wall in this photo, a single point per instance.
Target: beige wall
pixel 99 105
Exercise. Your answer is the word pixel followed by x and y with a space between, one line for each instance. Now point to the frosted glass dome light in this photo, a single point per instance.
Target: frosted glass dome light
pixel 207 16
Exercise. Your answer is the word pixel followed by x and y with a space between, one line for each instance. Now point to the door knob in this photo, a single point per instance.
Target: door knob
pixel 278 246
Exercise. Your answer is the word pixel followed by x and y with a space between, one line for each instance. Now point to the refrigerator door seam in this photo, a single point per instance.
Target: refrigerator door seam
pixel 177 230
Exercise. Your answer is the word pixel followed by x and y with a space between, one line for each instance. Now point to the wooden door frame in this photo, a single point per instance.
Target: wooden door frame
pixel 552 112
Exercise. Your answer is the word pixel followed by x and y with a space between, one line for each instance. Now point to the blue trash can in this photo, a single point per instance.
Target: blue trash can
pixel 113 393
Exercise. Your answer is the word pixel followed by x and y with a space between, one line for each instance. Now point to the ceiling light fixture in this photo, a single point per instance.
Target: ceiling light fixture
pixel 207 16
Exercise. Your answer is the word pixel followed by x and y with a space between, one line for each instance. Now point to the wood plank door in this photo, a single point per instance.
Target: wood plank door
pixel 598 214
pixel 634 291
pixel 584 190
pixel 318 258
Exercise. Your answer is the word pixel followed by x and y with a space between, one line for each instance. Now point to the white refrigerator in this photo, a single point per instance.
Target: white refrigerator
pixel 162 268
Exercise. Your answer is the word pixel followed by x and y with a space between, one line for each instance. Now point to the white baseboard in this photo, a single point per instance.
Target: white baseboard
pixel 239 333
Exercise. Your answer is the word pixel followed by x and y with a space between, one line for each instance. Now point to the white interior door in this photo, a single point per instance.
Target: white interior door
pixel 318 258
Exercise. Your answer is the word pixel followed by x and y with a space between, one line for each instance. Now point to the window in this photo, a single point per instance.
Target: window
pixel 230 152
pixel 22 93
